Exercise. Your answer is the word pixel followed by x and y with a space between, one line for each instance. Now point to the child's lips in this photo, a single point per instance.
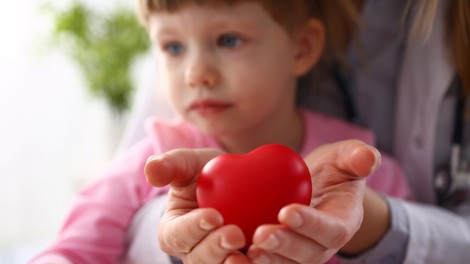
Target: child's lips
pixel 209 106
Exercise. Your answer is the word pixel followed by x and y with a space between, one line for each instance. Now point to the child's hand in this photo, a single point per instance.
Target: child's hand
pixel 314 234
pixel 194 235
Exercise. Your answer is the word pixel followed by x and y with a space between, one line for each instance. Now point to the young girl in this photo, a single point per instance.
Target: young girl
pixel 231 70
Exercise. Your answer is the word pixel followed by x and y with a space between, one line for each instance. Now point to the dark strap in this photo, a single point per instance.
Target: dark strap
pixel 175 260
pixel 342 84
pixel 457 137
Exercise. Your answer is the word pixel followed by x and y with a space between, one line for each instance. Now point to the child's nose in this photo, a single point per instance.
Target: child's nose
pixel 201 74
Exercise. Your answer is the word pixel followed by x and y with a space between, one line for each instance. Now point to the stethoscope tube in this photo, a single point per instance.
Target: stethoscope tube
pixel 452 180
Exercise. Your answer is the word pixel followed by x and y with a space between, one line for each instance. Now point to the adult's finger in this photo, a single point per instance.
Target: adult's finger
pixel 218 245
pixel 180 231
pixel 281 245
pixel 328 228
pixel 177 167
pixel 353 156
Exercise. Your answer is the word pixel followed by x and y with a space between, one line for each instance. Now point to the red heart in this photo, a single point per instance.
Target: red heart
pixel 249 190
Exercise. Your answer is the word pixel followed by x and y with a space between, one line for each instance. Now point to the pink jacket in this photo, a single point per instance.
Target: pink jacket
pixel 95 229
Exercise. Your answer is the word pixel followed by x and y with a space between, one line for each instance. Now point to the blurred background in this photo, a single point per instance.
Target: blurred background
pixel 62 117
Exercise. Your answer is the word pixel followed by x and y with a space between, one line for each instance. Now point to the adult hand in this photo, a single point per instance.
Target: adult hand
pixel 195 235
pixel 313 234
pixel 305 235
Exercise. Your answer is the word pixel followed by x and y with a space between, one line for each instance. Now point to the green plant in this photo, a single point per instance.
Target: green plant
pixel 104 47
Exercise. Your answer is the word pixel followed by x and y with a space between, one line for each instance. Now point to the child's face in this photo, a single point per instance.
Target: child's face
pixel 228 69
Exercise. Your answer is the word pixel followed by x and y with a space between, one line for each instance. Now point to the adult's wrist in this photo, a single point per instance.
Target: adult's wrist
pixel 376 223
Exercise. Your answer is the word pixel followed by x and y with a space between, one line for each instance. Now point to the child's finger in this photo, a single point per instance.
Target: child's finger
pixel 178 167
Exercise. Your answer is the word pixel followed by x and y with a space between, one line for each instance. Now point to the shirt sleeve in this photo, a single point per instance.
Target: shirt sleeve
pixel 437 235
pixel 420 234
pixel 392 248
pixel 95 229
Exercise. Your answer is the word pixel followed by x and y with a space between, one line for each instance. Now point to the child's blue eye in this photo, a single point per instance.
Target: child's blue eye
pixel 174 48
pixel 229 41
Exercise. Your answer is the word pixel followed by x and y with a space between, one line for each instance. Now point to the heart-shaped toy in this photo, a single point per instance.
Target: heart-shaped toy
pixel 250 189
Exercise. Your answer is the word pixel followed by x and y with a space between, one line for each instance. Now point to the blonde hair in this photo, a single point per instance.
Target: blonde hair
pixel 458 29
pixel 338 17
pixel 458 24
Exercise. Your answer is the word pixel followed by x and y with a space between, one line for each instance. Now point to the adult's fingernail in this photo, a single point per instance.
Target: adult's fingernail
pixel 262 258
pixel 226 244
pixel 294 220
pixel 270 243
pixel 378 158
pixel 203 224
pixel 291 218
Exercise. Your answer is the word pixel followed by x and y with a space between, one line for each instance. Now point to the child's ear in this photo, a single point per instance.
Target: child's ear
pixel 310 40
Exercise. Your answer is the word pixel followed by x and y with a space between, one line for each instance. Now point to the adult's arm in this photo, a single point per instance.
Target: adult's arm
pixel 437 235
pixel 410 233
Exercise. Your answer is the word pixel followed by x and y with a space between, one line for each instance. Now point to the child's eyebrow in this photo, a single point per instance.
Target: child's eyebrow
pixel 156 33
pixel 235 23
pixel 243 27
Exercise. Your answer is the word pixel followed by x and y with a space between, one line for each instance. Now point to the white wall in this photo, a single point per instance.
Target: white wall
pixel 53 135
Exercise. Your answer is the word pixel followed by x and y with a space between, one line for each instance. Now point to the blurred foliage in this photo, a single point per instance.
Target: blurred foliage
pixel 104 47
